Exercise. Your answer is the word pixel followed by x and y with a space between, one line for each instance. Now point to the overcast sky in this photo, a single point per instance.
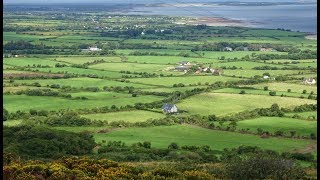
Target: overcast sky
pixel 139 1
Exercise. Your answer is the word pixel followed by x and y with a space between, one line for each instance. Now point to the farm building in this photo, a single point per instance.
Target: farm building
pixel 182 68
pixel 227 49
pixel 309 81
pixel 216 71
pixel 94 48
pixel 169 108
pixel 184 63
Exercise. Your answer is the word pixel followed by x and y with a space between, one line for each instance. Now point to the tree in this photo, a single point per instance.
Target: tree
pixel 212 117
pixel 242 92
pixel 289 90
pixel 266 74
pixel 173 146
pixel 266 88
pixel 279 133
pixel 259 131
pixel 275 107
pixel 313 136
pixel 293 133
pixel 304 91
pixel 272 93
pixel 146 144
pixel 5 114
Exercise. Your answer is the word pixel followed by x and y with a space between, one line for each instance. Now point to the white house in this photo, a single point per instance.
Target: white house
pixel 94 48
pixel 169 108
pixel 309 81
pixel 266 77
pixel 227 49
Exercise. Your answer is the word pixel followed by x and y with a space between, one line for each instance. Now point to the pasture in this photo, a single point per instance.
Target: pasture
pixel 186 80
pixel 284 86
pixel 273 124
pixel 14 103
pixel 127 116
pixel 223 103
pixel 162 136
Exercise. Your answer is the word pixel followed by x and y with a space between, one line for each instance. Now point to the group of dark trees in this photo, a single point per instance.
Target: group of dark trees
pixel 39 142
pixel 282 68
pixel 24 47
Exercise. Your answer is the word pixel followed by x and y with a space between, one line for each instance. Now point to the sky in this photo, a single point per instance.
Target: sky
pixel 138 1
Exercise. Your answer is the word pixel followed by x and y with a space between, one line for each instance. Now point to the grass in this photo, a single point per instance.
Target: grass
pixel 260 92
pixel 167 59
pixel 272 124
pixel 303 114
pixel 186 80
pixel 150 68
pixel 82 128
pixel 86 59
pixel 12 36
pixel 24 103
pixel 128 116
pixel 81 82
pixel 252 73
pixel 223 104
pixel 162 136
pixel 283 86
pixel 80 71
pixel 245 64
pixel 28 61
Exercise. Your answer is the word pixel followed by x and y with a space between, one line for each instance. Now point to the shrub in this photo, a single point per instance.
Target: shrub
pixel 278 133
pixel 304 91
pixel 242 92
pixel 272 93
pixel 266 88
pixel 289 90
pixel 313 136
pixel 173 146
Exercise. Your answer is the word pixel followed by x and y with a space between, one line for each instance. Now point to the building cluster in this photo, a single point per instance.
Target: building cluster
pixel 186 66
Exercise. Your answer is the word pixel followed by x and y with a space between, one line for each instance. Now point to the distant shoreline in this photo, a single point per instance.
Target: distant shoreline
pixel 215 21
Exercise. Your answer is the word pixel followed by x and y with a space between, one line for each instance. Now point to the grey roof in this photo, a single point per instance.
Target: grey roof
pixel 182 68
pixel 167 107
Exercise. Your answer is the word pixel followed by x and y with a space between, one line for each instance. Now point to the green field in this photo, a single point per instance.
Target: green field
pixel 283 86
pixel 18 102
pixel 304 114
pixel 28 61
pixel 186 80
pixel 260 92
pixel 162 136
pixel 223 103
pixel 251 73
pixel 150 68
pixel 272 124
pixel 84 59
pixel 82 82
pixel 128 116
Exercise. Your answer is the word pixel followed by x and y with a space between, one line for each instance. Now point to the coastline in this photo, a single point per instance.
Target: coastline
pixel 215 21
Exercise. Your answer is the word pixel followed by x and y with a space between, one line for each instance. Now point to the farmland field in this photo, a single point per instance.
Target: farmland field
pixel 189 135
pixel 130 116
pixel 18 102
pixel 272 124
pixel 219 103
pixel 184 97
